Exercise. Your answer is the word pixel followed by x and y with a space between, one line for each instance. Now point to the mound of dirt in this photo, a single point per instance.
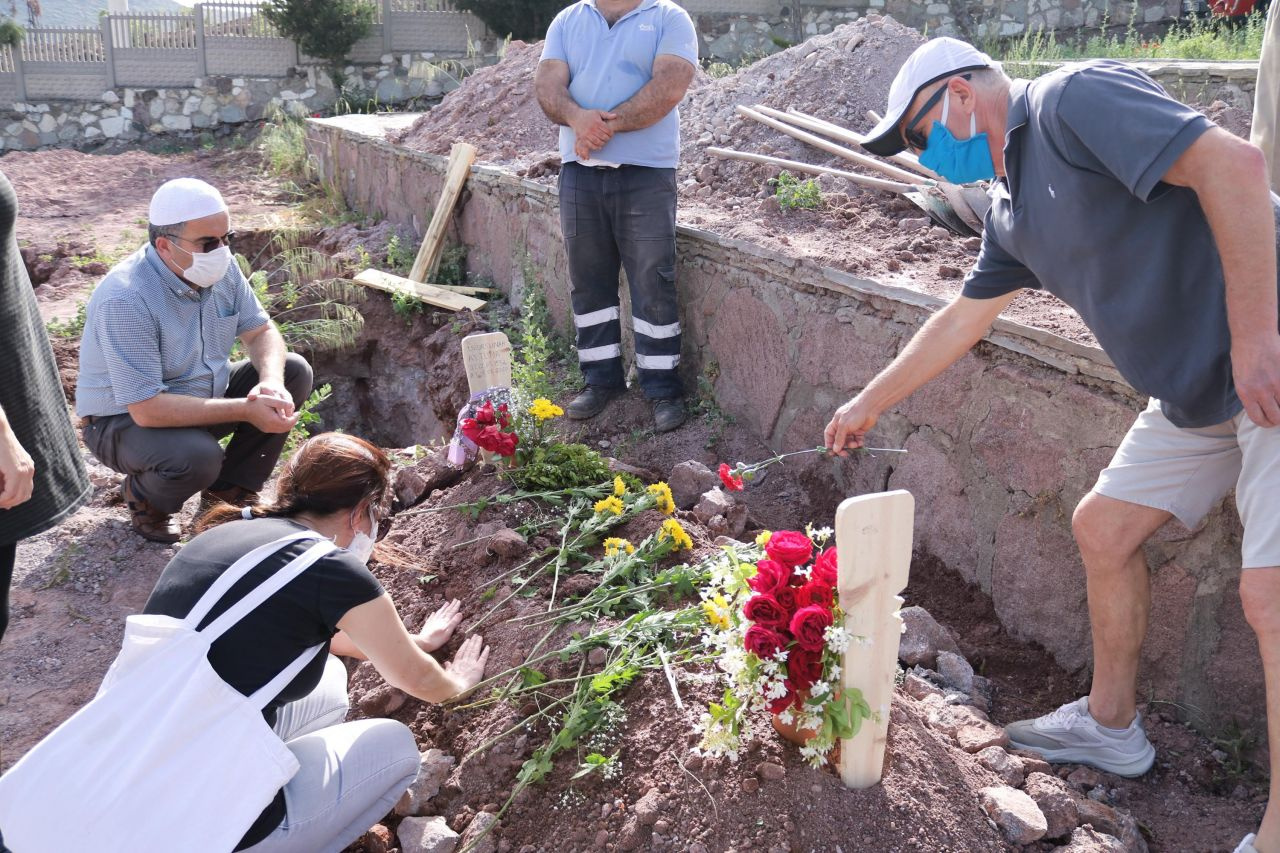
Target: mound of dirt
pixel 768 799
pixel 495 110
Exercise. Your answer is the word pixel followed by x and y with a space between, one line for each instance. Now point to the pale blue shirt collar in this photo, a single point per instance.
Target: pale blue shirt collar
pixel 644 4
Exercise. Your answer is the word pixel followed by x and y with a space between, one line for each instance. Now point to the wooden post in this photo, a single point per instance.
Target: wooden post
pixel 487 358
pixel 461 156
pixel 873 541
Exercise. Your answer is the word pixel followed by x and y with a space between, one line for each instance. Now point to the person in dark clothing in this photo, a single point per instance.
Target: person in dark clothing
pixel 351 774
pixel 42 475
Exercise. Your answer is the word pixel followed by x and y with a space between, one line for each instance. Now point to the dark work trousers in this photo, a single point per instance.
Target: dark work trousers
pixel 623 217
pixel 167 465
pixel 8 556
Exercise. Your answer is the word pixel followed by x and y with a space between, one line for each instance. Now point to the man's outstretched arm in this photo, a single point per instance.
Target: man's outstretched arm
pixel 941 342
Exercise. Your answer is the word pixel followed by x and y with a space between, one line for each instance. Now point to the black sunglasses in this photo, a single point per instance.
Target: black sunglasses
pixel 207 244
pixel 916 140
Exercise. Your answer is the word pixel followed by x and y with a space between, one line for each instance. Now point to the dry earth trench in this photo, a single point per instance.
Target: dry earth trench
pixel 401 384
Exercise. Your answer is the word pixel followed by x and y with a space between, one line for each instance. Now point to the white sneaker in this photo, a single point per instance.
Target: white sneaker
pixel 1246 845
pixel 1070 735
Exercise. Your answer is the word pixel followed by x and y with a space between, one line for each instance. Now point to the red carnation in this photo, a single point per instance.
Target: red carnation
pixel 816 593
pixel 484 414
pixel 506 444
pixel 789 547
pixel 763 642
pixel 504 416
pixel 809 625
pixel 825 569
pixel 804 667
pixel 765 610
pixel 470 428
pixel 770 576
pixel 732 482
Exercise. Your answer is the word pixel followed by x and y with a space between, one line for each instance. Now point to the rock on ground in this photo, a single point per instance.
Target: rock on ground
pixel 1017 815
pixel 483 824
pixel 1001 763
pixel 426 835
pixel 923 638
pixel 1055 802
pixel 689 480
pixel 955 671
pixel 433 770
pixel 1086 839
pixel 432 471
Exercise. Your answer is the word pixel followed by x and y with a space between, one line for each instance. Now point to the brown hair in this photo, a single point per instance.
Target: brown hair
pixel 328 473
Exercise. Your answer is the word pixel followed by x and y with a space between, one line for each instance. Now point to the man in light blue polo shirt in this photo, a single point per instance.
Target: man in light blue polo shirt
pixel 157 387
pixel 611 75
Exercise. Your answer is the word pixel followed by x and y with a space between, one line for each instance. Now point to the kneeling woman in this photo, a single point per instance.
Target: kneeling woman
pixel 351 773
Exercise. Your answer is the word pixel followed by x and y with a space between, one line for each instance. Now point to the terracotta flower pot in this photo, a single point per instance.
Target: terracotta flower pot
pixel 793 733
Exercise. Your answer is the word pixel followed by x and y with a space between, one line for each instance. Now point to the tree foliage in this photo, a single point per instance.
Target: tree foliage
pixel 11 32
pixel 526 20
pixel 325 29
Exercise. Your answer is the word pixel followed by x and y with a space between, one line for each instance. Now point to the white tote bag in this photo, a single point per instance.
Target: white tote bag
pixel 167 756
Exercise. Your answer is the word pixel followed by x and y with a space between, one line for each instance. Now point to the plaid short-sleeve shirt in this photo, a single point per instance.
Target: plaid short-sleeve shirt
pixel 147 332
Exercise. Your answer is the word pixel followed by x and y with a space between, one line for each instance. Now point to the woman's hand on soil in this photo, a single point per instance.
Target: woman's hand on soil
pixel 439 626
pixel 467 666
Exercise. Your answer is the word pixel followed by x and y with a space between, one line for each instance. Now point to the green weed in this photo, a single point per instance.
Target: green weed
pixel 400 257
pixel 793 193
pixel 72 328
pixel 309 422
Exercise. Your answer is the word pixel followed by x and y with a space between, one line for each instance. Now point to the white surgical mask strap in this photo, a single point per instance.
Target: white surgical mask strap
pixel 946 104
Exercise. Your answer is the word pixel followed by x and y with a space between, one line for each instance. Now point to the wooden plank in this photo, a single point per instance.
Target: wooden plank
pixel 873 541
pixel 379 280
pixel 461 156
pixel 487 357
pixel 467 289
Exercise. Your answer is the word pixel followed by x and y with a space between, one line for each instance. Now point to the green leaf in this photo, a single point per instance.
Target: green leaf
pixel 530 677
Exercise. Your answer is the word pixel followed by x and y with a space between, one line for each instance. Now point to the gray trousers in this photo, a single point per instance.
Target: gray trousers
pixel 167 465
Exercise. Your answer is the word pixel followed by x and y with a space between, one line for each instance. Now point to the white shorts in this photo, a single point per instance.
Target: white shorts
pixel 1187 471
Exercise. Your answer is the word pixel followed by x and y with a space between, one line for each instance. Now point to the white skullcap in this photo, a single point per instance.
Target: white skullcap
pixel 184 199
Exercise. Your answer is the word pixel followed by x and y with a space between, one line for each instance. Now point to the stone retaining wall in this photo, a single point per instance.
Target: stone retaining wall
pixel 1002 446
pixel 212 104
pixel 765 26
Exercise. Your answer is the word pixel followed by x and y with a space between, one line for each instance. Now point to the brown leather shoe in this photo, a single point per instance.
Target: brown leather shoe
pixel 234 495
pixel 147 521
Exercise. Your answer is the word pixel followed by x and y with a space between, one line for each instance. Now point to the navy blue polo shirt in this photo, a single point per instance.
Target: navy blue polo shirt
pixel 1083 213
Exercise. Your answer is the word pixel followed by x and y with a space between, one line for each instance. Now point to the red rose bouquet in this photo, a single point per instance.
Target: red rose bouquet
pixel 485 423
pixel 777 633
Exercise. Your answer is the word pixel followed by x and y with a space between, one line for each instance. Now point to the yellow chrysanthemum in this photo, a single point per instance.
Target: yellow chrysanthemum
pixel 717 610
pixel 671 529
pixel 543 409
pixel 610 504
pixel 666 504
pixel 619 487
pixel 613 546
pixel 764 537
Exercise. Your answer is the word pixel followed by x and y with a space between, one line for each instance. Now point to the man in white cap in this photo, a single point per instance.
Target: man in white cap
pixel 157 387
pixel 1157 226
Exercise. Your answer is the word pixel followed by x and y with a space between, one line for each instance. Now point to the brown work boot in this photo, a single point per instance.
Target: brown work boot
pixel 149 522
pixel 234 495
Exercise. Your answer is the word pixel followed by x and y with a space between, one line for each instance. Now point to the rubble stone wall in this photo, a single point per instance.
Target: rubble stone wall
pixel 1002 446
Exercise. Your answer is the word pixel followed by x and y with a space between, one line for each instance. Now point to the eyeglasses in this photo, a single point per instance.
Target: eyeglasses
pixel 207 244
pixel 916 140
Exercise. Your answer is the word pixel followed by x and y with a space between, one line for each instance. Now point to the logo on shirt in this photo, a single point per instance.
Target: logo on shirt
pixel 646 28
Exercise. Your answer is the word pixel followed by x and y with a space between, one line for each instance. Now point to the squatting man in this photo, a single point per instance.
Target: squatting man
pixel 1158 228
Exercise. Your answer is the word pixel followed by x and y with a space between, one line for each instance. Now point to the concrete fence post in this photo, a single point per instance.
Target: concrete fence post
pixel 19 82
pixel 386 26
pixel 108 50
pixel 202 58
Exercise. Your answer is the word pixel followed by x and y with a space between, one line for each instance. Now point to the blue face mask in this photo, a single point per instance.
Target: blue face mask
pixel 960 161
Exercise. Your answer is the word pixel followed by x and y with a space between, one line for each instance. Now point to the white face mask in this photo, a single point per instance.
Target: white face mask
pixel 208 268
pixel 361 544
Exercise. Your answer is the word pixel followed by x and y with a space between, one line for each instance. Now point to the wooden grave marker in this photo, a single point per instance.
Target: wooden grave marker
pixel 873 541
pixel 487 358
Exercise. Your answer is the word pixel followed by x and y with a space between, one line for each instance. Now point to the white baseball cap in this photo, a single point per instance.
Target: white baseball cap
pixel 929 63
pixel 184 199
